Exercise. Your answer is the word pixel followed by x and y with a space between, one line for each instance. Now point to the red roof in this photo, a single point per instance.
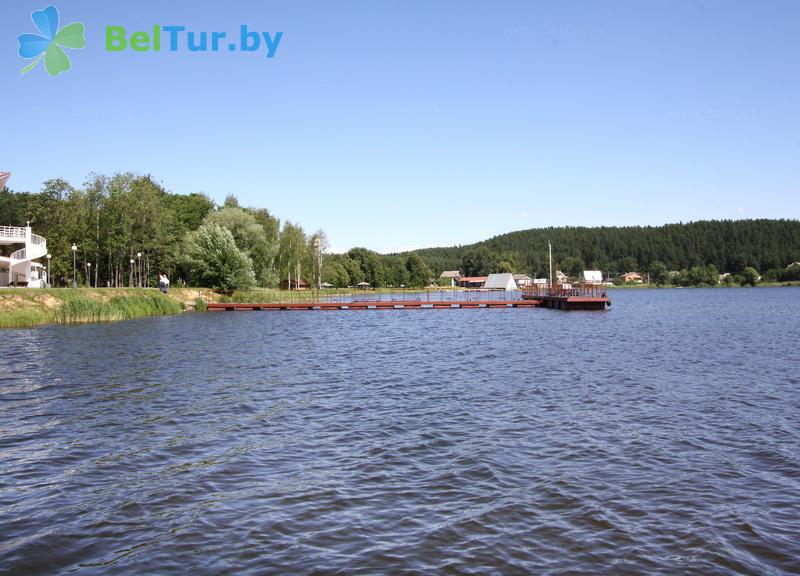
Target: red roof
pixel 474 278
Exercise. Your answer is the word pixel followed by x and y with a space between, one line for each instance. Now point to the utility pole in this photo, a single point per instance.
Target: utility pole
pixel 550 250
pixel 74 249
pixel 319 262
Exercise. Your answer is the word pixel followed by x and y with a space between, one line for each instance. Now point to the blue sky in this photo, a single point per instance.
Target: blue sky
pixel 406 124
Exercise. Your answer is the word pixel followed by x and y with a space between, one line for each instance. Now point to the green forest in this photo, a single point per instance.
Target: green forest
pixel 726 246
pixel 128 226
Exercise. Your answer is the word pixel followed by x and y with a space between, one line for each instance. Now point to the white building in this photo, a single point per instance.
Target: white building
pixel 19 268
pixel 523 280
pixel 503 281
pixel 452 275
pixel 593 276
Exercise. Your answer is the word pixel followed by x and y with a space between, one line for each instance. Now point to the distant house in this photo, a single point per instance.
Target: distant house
pixel 593 276
pixel 632 277
pixel 540 281
pixel 453 275
pixel 504 281
pixel 363 285
pixel 523 280
pixel 301 285
pixel 472 281
pixel 326 285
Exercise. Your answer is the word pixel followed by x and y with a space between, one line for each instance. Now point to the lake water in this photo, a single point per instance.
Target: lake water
pixel 661 436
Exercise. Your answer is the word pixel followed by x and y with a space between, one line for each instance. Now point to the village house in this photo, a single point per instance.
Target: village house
pixel 523 280
pixel 472 281
pixel 296 285
pixel 632 277
pixel 452 275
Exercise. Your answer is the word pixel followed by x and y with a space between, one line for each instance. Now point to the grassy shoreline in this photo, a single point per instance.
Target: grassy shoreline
pixel 24 308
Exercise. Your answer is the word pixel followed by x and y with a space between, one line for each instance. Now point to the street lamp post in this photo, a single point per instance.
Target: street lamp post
pixel 49 284
pixel 89 274
pixel 319 262
pixel 139 256
pixel 74 250
pixel 130 274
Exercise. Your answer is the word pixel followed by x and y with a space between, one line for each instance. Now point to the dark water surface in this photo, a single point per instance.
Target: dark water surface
pixel 662 436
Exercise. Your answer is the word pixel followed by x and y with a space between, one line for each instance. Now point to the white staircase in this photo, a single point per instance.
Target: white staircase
pixel 20 262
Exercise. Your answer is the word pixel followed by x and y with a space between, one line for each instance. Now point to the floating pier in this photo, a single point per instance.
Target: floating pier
pixel 580 298
pixel 376 305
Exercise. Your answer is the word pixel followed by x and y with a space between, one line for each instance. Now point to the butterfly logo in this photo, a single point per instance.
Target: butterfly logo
pixel 48 46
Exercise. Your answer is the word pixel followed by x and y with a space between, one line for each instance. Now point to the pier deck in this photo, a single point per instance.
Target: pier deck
pixel 582 297
pixel 579 298
pixel 376 305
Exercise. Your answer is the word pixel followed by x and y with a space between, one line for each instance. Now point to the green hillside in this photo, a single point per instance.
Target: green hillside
pixel 730 246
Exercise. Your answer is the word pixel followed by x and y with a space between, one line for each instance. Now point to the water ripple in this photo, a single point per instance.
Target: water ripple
pixel 660 437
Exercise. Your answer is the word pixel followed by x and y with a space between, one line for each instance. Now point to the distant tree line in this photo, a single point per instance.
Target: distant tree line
pixel 691 250
pixel 362 265
pixel 127 226
pixel 112 219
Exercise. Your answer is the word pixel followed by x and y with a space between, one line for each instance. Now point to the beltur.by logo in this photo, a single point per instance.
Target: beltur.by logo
pixel 49 45
pixel 177 37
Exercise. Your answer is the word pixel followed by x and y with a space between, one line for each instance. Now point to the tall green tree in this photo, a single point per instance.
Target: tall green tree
pixel 749 276
pixel 659 274
pixel 573 266
pixel 371 265
pixel 418 272
pixel 292 254
pixel 479 262
pixel 334 271
pixel 252 239
pixel 215 260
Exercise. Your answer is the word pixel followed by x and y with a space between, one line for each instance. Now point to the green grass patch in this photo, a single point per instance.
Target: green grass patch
pixel 79 309
pixel 24 318
pixel 25 308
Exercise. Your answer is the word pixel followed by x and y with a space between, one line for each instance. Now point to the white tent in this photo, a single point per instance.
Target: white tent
pixel 592 276
pixel 500 282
